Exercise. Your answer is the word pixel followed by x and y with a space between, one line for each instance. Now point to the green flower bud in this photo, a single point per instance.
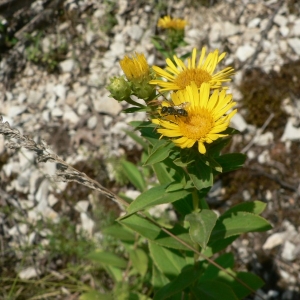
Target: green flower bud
pixel 119 88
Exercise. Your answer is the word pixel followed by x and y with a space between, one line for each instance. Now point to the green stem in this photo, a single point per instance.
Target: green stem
pixel 195 200
pixel 129 100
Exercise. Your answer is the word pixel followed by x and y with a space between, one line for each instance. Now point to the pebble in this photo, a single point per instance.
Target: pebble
pixel 244 52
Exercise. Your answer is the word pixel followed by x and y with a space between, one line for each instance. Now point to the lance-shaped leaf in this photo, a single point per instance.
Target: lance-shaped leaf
pixel 154 233
pixel 239 223
pixel 201 226
pixel 154 196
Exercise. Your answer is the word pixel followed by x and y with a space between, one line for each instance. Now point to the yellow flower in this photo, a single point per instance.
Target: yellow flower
pixel 179 76
pixel 168 23
pixel 207 117
pixel 135 68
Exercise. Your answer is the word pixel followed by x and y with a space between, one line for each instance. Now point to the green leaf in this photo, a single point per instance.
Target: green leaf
pixel 107 258
pixel 239 223
pixel 215 246
pixel 216 147
pixel 158 278
pixel 162 173
pixel 134 175
pixel 155 196
pixel 115 273
pixel 201 226
pixel 210 162
pixel 255 207
pixel 231 161
pixel 172 187
pixel 152 232
pixel 160 152
pixel 139 260
pixel 94 295
pixel 149 133
pixel 137 138
pixel 119 232
pixel 185 279
pixel 200 174
pixel 226 261
pixel 250 279
pixel 213 290
pixel 169 261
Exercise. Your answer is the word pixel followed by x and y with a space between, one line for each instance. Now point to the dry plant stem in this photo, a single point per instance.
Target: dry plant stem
pixel 67 173
pixel 64 172
pixel 258 133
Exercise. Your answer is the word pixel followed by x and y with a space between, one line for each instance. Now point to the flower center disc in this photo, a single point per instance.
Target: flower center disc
pixel 198 124
pixel 187 76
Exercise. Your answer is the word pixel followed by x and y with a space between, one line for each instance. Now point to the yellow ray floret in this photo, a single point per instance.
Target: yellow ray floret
pixel 135 67
pixel 178 76
pixel 208 116
pixel 171 23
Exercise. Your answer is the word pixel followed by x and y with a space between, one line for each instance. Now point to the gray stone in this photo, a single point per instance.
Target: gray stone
pixel 67 65
pixel 294 43
pixel 244 52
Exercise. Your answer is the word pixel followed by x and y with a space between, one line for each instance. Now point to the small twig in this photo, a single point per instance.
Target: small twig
pixel 258 133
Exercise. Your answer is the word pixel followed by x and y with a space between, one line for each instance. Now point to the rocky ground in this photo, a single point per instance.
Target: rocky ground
pixel 56 59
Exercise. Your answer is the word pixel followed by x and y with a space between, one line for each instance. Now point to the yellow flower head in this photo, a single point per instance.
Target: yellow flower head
pixel 168 23
pixel 135 68
pixel 179 75
pixel 206 117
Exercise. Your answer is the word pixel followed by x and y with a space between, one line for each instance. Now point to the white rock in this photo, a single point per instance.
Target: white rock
pixel 288 252
pixel 238 122
pixel 294 43
pixel 82 206
pixel 117 49
pixel 215 33
pixel 34 97
pixel 244 52
pixel 60 91
pixel 22 97
pixel 284 30
pixel 87 223
pixel 71 117
pixel 42 194
pixel 290 132
pixel 30 272
pixel 280 20
pixel 158 210
pixel 89 37
pixel 52 200
pixel 15 110
pixel 67 65
pixel 135 32
pixel 46 115
pixel 295 31
pixel 57 112
pixel 20 229
pixel 107 121
pixel 105 104
pixel 230 29
pixel 274 240
pixel 92 122
pixel 254 23
pixel 264 157
pixel 2 144
pixel 264 139
pixel 82 109
pixel 133 194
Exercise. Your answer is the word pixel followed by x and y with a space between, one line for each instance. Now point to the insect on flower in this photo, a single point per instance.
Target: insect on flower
pixel 175 110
